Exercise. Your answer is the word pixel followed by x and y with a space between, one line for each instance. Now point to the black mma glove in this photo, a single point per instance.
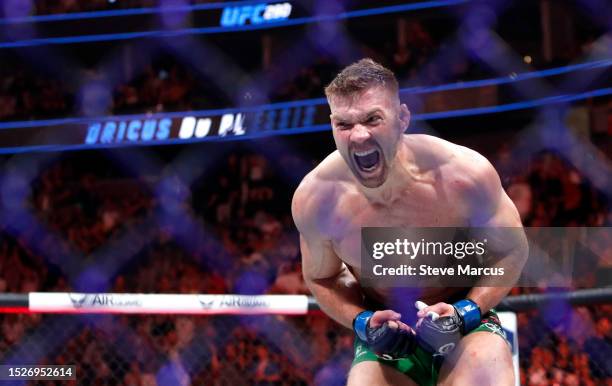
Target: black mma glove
pixel 385 341
pixel 439 336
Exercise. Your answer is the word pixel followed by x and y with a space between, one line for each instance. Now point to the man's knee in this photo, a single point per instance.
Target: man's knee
pixel 482 358
pixel 371 373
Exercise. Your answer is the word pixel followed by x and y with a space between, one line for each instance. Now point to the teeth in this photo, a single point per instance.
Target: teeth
pixel 364 153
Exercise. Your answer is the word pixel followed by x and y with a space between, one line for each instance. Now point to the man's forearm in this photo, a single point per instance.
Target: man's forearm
pixel 487 293
pixel 488 297
pixel 339 296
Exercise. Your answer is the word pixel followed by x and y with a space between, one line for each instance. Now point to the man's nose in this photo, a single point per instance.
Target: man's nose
pixel 360 134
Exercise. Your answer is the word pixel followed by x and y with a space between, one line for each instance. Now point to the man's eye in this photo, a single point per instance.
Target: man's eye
pixel 342 126
pixel 374 119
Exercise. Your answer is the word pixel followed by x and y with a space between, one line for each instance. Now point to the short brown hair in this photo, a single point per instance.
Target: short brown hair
pixel 360 76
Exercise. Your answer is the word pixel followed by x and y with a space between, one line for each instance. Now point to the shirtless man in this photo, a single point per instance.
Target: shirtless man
pixel 379 176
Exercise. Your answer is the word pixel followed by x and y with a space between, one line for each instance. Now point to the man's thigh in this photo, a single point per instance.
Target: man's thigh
pixel 371 373
pixel 481 358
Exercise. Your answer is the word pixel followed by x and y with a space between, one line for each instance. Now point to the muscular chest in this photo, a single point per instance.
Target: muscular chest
pixel 419 209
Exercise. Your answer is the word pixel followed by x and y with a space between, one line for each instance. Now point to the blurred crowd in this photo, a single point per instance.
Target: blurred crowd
pixel 558 347
pixel 239 238
pixel 224 351
pixel 169 83
pixel 27 93
pixel 45 7
pixel 101 229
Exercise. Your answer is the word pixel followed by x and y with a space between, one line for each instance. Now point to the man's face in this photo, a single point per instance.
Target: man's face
pixel 367 128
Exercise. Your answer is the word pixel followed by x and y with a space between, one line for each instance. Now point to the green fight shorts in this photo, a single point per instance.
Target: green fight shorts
pixel 421 366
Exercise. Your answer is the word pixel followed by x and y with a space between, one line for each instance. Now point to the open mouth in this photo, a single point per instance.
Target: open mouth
pixel 368 160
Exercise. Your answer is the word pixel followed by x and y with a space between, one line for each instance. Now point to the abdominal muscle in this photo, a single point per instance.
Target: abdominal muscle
pixel 391 297
pixel 346 243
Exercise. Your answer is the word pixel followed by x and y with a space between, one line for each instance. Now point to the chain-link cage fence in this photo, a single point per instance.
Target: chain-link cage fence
pixel 216 219
pixel 272 349
pixel 182 350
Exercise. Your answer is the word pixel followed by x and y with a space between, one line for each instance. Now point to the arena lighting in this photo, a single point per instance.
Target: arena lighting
pixel 208 6
pixel 78 140
pixel 279 22
pixel 512 78
pixel 311 102
pixel 255 14
pixel 243 123
pixel 514 106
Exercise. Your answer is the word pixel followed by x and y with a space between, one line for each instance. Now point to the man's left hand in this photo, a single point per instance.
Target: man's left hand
pixel 440 327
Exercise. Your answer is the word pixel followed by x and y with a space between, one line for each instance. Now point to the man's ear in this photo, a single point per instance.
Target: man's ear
pixel 404 117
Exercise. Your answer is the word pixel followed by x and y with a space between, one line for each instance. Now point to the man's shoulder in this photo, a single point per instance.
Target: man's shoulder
pixel 460 162
pixel 324 176
pixel 469 175
pixel 319 190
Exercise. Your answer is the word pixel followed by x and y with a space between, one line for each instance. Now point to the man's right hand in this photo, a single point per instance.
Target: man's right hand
pixel 385 334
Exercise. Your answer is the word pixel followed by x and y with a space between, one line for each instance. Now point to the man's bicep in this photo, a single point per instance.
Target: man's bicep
pixel 489 204
pixel 495 215
pixel 504 214
pixel 318 259
pixel 503 230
